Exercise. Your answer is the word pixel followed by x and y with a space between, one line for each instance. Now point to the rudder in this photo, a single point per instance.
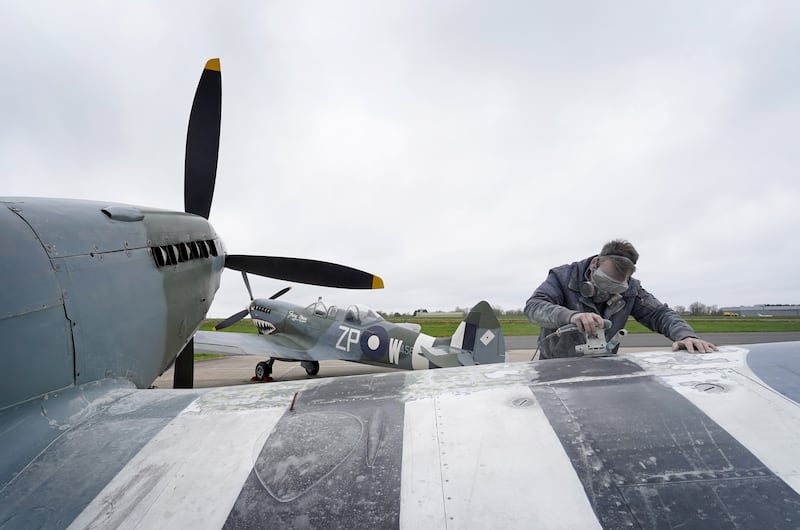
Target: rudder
pixel 480 333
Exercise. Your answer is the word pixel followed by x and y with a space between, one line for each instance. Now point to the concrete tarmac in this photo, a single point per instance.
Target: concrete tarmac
pixel 239 369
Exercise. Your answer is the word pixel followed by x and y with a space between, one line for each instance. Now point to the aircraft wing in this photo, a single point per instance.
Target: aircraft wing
pixel 650 439
pixel 232 343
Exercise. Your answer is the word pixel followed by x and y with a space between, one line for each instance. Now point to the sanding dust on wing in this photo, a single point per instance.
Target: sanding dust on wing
pixel 502 374
pixel 727 357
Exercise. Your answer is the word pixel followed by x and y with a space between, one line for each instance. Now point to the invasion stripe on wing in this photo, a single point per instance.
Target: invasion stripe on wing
pixel 648 457
pixel 190 472
pixel 559 443
pixel 487 460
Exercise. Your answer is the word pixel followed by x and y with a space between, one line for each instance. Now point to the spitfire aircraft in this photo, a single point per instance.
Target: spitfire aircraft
pixel 96 299
pixel 95 274
pixel 288 332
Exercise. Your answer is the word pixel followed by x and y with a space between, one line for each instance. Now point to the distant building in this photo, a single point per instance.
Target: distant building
pixel 765 310
pixel 424 313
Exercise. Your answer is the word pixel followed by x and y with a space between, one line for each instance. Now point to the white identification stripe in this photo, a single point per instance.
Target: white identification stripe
pixel 457 340
pixel 478 461
pixel 189 475
pixel 765 422
pixel 418 361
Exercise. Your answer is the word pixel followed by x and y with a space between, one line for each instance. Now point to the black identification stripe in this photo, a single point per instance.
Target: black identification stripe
pixel 647 457
pixel 333 462
pixel 572 367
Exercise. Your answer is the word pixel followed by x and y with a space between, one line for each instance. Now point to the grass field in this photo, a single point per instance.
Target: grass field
pixel 516 326
pixel 207 356
pixel 519 326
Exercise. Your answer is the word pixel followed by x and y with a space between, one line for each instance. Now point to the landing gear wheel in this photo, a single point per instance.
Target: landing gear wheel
pixel 312 367
pixel 263 370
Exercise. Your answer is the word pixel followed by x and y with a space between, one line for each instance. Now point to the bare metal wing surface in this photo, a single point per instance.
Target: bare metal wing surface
pixel 650 439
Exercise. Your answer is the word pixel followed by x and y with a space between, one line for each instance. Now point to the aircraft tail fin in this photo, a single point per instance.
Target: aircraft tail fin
pixel 481 335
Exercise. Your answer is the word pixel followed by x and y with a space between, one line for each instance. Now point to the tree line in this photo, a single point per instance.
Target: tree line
pixel 695 309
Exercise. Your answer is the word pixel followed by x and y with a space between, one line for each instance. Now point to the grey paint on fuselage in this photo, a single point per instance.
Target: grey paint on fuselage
pixel 289 332
pixel 31 308
pixel 80 286
pixel 330 336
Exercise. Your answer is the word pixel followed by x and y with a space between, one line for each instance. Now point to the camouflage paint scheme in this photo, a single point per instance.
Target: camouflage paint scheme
pixel 290 332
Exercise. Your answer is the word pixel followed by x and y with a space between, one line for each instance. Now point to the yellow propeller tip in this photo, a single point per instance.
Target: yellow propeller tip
pixel 377 282
pixel 213 64
pixel 214 328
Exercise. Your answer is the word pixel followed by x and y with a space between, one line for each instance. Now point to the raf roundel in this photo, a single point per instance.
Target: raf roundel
pixel 374 343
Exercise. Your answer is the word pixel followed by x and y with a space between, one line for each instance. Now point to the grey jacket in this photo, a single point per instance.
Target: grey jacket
pixel 555 301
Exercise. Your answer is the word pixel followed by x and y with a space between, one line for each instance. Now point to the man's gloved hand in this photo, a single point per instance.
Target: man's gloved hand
pixel 693 345
pixel 587 322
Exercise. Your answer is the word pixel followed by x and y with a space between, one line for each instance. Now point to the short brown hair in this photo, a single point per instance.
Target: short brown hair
pixel 623 254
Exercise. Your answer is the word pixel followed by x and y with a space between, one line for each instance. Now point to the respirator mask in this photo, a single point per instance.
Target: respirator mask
pixel 602 286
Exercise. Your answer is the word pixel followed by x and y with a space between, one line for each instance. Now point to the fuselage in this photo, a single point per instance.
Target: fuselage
pixel 91 290
pixel 355 334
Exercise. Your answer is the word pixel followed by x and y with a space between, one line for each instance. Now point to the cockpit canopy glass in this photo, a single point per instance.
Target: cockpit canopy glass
pixel 318 308
pixel 361 314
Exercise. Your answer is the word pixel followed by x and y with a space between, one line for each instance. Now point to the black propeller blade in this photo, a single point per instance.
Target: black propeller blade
pixel 202 142
pixel 304 271
pixel 200 174
pixel 280 293
pixel 231 320
pixel 247 284
pixel 183 371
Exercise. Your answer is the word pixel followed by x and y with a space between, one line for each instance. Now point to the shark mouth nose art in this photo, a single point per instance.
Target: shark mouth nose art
pixel 264 327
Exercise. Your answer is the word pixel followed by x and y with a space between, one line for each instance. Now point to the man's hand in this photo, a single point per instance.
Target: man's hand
pixel 587 322
pixel 693 345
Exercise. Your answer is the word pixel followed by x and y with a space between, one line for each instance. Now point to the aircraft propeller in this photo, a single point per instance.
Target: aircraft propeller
pixel 202 151
pixel 243 313
pixel 200 173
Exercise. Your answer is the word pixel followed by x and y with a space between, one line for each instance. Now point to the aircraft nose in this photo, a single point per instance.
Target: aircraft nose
pixel 262 317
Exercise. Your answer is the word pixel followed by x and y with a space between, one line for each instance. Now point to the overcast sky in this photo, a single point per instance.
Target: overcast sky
pixel 457 149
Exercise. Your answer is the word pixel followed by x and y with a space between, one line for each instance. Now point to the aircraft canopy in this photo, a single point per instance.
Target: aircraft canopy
pixel 362 314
